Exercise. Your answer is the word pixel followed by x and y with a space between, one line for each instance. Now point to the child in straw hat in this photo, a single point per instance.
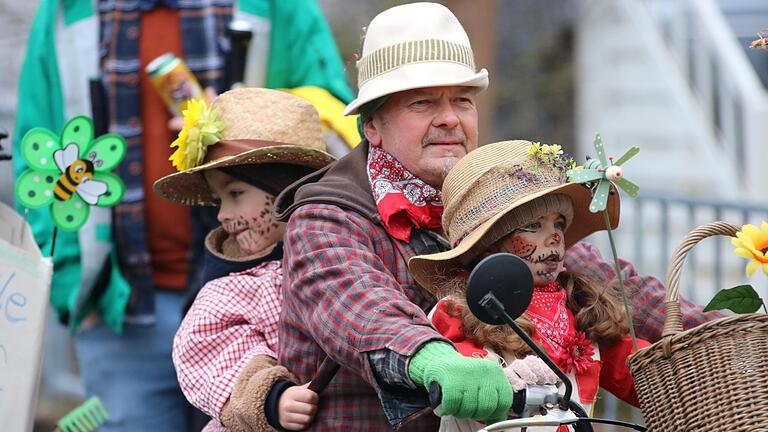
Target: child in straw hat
pixel 513 197
pixel 238 155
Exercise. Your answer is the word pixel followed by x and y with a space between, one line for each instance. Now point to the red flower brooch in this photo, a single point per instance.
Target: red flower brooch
pixel 577 353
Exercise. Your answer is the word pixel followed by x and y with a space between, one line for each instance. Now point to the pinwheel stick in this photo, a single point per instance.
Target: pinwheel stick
pixel 53 241
pixel 621 280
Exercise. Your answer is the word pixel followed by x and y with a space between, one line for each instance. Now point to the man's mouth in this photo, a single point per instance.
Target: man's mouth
pixel 444 138
pixel 445 143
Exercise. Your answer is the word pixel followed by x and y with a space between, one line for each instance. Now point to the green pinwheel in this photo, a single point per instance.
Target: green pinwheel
pixel 71 172
pixel 605 171
pixel 600 173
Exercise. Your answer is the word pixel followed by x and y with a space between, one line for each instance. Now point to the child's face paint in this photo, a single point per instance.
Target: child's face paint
pixel 541 245
pixel 245 212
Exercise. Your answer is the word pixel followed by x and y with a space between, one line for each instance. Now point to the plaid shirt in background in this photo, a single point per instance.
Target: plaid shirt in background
pixel 233 320
pixel 645 292
pixel 119 54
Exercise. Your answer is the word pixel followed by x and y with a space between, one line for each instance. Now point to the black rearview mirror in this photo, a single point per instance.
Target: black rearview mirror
pixel 506 276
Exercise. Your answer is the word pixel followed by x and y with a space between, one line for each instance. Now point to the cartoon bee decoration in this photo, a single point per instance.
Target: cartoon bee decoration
pixel 762 42
pixel 77 175
pixel 70 173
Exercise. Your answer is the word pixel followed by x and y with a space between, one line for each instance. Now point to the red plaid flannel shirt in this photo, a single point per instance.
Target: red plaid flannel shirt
pixel 233 319
pixel 645 292
pixel 348 293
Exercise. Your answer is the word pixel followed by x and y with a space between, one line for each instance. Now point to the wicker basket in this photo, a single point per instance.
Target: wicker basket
pixel 710 378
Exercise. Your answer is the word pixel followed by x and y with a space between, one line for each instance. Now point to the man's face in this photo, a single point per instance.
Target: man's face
pixel 428 129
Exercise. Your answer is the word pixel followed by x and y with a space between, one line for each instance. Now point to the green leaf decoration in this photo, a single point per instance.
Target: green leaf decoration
pixel 740 299
pixel 70 215
pixel 106 152
pixel 627 156
pixel 584 175
pixel 600 196
pixel 34 189
pixel 115 189
pixel 627 186
pixel 70 172
pixel 600 150
pixel 78 130
pixel 37 148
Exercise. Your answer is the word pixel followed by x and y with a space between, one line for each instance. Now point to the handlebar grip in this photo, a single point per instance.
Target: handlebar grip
pixel 324 375
pixel 436 397
pixel 518 402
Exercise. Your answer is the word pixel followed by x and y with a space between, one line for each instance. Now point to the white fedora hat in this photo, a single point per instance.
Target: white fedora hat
pixel 414 46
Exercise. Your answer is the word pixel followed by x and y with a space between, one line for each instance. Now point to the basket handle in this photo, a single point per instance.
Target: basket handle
pixel 673 321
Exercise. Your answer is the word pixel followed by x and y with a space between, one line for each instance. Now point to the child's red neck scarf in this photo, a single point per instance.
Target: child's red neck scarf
pixel 556 331
pixel 404 201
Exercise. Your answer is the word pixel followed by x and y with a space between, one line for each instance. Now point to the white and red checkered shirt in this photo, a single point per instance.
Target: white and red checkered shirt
pixel 233 319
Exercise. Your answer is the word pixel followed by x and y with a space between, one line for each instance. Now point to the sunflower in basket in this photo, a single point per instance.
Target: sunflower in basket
pixel 752 244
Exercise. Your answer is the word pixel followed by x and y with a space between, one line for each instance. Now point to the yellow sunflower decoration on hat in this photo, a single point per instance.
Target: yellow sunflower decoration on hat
pixel 201 129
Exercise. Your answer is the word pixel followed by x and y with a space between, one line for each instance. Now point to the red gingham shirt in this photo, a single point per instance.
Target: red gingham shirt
pixel 233 319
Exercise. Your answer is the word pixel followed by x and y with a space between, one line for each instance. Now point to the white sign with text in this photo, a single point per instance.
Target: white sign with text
pixel 25 282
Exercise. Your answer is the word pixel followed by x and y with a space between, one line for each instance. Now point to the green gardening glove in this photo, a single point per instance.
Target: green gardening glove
pixel 472 388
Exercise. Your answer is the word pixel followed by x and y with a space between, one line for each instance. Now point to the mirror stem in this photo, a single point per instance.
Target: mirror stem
pixel 493 306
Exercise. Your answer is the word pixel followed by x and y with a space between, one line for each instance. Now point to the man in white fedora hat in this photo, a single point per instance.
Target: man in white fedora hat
pixel 348 295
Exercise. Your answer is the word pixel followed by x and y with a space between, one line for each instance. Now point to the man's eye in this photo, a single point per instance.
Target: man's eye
pixel 421 102
pixel 235 193
pixel 463 100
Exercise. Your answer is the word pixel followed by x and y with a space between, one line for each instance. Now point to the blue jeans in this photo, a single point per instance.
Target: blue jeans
pixel 133 373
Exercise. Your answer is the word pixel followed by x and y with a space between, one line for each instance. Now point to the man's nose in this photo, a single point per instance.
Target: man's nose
pixel 446 116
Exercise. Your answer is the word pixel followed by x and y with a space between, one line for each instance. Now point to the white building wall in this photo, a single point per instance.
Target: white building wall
pixel 631 91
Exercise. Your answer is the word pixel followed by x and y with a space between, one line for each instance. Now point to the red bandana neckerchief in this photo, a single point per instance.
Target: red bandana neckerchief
pixel 556 332
pixel 403 200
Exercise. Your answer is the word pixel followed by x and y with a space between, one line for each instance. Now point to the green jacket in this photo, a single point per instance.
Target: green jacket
pixel 53 87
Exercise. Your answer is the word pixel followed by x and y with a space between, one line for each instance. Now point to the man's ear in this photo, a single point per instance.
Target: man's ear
pixel 372 133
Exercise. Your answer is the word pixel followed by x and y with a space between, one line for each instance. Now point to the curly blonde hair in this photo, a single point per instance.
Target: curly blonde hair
pixel 598 312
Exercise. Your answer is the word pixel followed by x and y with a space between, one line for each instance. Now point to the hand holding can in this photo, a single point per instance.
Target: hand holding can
pixel 174 82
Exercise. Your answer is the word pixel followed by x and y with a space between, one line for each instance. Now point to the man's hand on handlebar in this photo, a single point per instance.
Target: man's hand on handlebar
pixel 471 388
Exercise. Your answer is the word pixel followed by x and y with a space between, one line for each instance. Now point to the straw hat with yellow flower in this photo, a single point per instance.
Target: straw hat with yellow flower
pixel 246 126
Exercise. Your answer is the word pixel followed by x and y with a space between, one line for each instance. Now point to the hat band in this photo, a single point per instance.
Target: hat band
pixel 235 147
pixel 392 57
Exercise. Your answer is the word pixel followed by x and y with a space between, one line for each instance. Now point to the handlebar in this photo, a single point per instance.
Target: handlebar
pixel 324 375
pixel 534 399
